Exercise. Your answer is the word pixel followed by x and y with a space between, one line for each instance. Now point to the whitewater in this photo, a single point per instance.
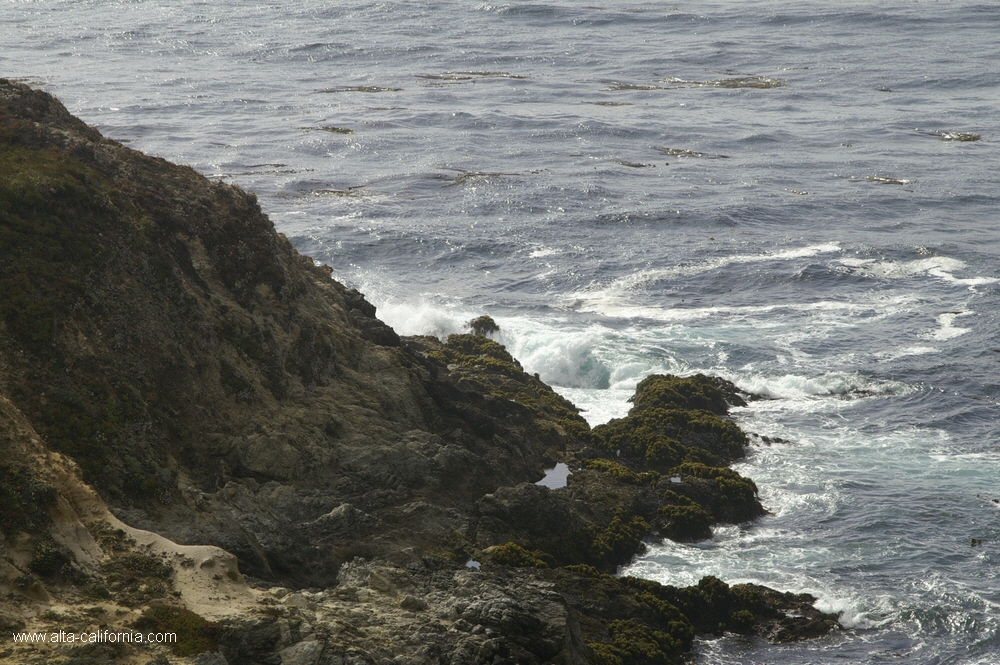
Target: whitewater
pixel 783 194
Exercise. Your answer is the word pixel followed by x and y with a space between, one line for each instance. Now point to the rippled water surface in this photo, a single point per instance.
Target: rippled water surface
pixel 770 192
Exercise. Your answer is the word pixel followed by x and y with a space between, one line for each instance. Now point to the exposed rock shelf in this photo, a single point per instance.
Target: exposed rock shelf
pixel 182 392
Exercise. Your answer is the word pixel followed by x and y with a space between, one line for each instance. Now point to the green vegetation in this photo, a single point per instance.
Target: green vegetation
pixel 134 578
pixel 60 223
pixel 698 392
pixel 504 377
pixel 736 495
pixel 674 430
pixel 685 523
pixel 41 281
pixel 110 539
pixel 631 621
pixel 54 210
pixel 659 439
pixel 48 558
pixel 195 635
pixel 24 501
pixel 617 542
pixel 513 555
pixel 479 351
pixel 712 606
pixel 622 472
pixel 635 642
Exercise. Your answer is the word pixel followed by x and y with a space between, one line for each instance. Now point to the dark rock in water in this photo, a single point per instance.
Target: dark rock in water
pixel 167 354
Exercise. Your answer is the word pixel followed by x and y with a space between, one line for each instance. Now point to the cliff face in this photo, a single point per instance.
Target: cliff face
pixel 164 352
pixel 210 381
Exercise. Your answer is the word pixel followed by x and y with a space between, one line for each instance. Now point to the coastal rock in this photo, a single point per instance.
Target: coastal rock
pixel 192 413
pixel 307 652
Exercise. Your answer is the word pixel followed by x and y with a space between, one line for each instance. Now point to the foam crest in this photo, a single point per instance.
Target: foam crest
pixel 560 358
pixel 797 386
pixel 599 406
pixel 873 307
pixel 941 267
pixel 852 613
pixel 948 329
pixel 908 351
pixel 638 280
pixel 423 318
pixel 542 251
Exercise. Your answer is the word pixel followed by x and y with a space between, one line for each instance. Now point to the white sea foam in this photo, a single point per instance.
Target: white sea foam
pixel 562 358
pixel 599 406
pixel 422 318
pixel 827 312
pixel 908 351
pixel 941 267
pixel 541 252
pixel 797 386
pixel 613 305
pixel 639 280
pixel 948 329
pixel 852 612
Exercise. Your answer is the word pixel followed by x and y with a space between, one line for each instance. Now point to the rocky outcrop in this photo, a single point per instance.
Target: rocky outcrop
pixel 213 384
pixel 165 353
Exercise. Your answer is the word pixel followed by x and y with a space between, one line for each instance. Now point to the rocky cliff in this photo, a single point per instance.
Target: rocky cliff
pixel 203 432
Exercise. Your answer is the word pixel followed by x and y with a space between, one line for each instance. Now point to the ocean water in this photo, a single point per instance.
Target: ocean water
pixel 763 191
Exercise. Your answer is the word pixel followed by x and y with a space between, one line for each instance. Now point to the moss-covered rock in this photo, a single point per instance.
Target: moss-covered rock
pixel 698 392
pixel 479 351
pixel 622 472
pixel 512 554
pixel 659 439
pixel 727 495
pixel 685 522
pixel 618 541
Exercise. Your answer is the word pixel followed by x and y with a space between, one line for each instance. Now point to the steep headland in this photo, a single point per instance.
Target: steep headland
pixel 203 433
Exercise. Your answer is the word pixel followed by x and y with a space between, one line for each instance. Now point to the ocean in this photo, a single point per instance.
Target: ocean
pixel 784 194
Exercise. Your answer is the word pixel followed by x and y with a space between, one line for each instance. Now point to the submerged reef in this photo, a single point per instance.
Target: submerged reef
pixel 203 433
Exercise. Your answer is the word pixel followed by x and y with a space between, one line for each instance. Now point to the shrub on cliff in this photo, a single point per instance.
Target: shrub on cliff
pixel 194 634
pixel 24 501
